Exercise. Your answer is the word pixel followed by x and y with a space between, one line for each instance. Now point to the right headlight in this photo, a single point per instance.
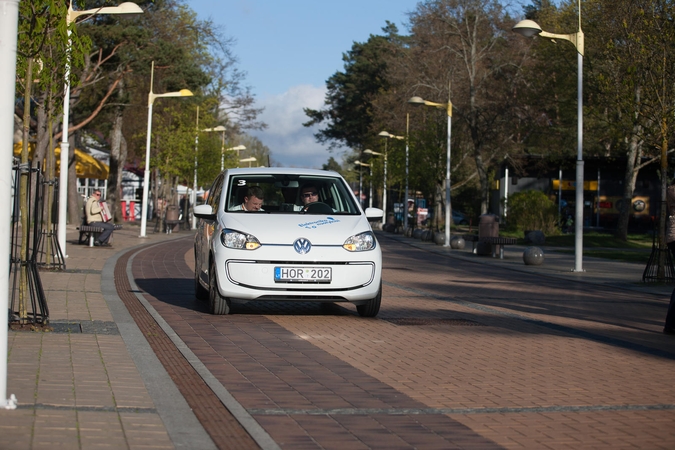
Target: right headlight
pixel 360 242
pixel 241 241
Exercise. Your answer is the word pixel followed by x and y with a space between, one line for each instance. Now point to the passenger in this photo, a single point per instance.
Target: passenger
pixel 94 216
pixel 253 200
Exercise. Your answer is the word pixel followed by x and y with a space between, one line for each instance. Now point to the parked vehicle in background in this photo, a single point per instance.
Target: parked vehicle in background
pixel 459 218
pixel 320 249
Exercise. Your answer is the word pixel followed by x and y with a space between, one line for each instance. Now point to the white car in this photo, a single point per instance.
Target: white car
pixel 289 250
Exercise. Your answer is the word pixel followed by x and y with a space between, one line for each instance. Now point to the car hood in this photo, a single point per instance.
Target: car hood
pixel 286 228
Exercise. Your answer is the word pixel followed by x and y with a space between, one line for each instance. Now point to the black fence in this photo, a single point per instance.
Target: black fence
pixel 33 245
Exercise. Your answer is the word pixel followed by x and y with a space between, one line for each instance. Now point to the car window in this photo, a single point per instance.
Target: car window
pixel 282 194
pixel 215 193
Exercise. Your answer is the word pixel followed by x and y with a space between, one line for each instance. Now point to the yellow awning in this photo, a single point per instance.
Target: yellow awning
pixel 86 166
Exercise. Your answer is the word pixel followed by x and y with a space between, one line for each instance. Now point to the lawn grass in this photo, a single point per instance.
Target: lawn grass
pixel 631 256
pixel 597 244
pixel 592 239
pixel 595 239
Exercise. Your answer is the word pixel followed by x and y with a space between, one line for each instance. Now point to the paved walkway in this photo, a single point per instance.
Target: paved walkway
pixel 104 383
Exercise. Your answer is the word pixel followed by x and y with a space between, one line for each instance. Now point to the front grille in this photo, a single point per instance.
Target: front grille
pixel 329 298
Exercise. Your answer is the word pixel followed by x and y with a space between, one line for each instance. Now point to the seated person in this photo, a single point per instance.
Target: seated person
pixel 253 200
pixel 93 216
pixel 309 194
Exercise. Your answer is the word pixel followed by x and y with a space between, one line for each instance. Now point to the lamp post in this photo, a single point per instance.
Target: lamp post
pixel 8 39
pixel 370 166
pixel 386 135
pixel 384 189
pixel 146 174
pixel 405 201
pixel 222 143
pixel 418 101
pixel 124 8
pixel 222 157
pixel 529 28
pixel 194 185
pixel 248 160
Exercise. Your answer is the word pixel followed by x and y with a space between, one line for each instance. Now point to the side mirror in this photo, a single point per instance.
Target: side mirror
pixel 374 213
pixel 204 212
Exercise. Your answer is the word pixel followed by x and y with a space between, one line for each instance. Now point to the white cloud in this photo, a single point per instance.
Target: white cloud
pixel 291 144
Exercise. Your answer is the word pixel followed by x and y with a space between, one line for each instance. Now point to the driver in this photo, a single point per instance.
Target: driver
pixel 309 193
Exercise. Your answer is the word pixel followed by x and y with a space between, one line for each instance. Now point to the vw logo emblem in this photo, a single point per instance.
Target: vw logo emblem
pixel 302 246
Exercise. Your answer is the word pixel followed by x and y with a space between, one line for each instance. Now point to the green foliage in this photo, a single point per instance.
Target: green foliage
pixel 332 165
pixel 348 112
pixel 532 210
pixel 174 146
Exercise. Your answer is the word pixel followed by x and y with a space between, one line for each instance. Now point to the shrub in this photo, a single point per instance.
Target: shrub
pixel 532 210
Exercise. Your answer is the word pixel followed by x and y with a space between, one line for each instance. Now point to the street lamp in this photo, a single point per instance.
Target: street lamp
pixel 124 8
pixel 194 186
pixel 222 157
pixel 146 175
pixel 418 101
pixel 361 164
pixel 384 189
pixel 248 160
pixel 407 145
pixel 222 144
pixel 8 39
pixel 385 135
pixel 529 28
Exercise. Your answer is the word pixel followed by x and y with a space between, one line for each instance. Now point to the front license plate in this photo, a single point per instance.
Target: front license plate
pixel 303 274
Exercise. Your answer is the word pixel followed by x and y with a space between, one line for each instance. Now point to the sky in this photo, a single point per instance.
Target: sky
pixel 288 50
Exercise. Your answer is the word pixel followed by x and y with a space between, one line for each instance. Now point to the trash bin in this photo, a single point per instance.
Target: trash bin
pixel 488 226
pixel 172 213
pixel 172 219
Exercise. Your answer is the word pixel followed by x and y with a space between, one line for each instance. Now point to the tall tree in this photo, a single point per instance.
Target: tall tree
pixel 348 114
pixel 464 51
pixel 636 49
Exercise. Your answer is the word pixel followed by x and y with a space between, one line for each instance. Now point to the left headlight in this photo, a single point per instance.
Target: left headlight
pixel 235 239
pixel 360 242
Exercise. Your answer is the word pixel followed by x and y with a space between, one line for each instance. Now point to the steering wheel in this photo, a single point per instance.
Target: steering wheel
pixel 318 208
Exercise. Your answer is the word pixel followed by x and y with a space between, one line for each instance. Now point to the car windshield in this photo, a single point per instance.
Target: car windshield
pixel 289 194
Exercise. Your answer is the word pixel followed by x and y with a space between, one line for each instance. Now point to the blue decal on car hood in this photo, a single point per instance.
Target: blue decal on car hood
pixel 318 223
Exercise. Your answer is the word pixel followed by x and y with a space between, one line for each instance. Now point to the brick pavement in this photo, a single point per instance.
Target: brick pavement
pixel 465 361
pixel 80 389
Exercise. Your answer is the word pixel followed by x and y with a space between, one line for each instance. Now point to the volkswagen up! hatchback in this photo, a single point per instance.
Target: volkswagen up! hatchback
pixel 317 247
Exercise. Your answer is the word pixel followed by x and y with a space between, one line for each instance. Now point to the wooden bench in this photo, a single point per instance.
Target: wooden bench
pixel 495 241
pixel 90 232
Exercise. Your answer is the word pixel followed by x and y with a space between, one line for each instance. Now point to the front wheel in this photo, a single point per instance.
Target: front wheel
pixel 200 291
pixel 218 304
pixel 372 307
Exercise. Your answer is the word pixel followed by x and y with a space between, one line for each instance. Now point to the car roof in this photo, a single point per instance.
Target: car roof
pixel 281 171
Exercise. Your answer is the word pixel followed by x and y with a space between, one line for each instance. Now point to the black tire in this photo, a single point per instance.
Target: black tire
pixel 371 308
pixel 201 293
pixel 218 304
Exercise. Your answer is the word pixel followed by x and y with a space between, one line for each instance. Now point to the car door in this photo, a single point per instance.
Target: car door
pixel 205 230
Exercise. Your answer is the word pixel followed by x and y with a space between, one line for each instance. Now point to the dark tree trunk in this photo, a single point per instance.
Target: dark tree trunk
pixel 74 205
pixel 118 156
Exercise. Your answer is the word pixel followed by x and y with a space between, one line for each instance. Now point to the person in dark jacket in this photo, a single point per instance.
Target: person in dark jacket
pixel 669 327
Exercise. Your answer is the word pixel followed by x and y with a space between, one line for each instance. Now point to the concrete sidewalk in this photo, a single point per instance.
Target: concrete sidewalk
pixel 82 386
